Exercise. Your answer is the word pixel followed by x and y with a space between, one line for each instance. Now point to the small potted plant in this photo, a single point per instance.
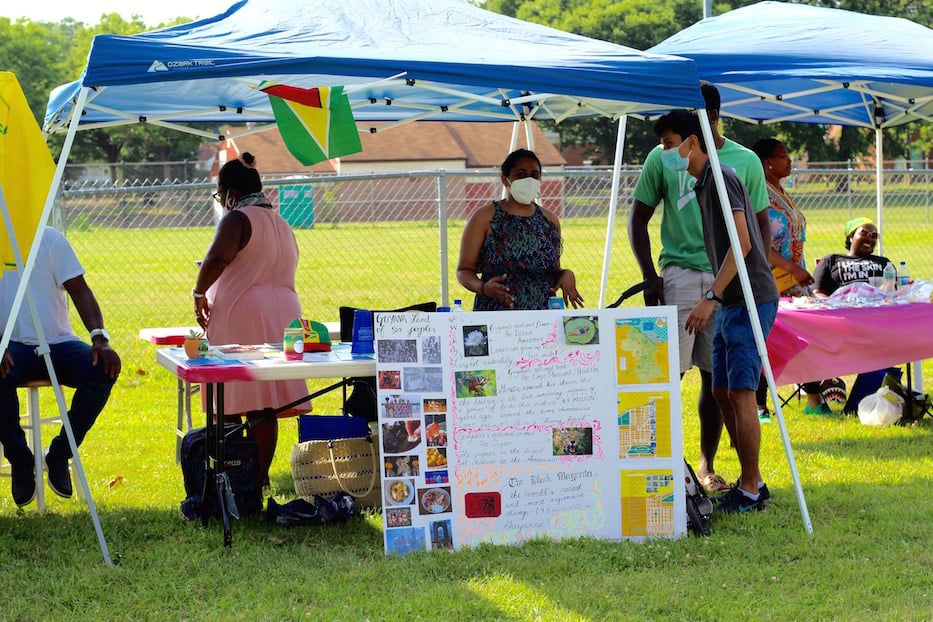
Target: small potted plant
pixel 195 344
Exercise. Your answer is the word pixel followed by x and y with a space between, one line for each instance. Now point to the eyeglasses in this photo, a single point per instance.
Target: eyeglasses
pixel 216 196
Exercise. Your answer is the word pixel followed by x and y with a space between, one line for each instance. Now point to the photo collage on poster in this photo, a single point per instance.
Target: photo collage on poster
pixel 413 431
pixel 497 427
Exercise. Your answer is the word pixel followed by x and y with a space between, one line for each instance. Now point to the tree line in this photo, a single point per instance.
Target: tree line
pixel 642 24
pixel 44 55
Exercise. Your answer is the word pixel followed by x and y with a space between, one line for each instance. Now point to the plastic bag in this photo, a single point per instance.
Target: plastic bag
pixel 919 404
pixel 918 291
pixel 858 294
pixel 881 408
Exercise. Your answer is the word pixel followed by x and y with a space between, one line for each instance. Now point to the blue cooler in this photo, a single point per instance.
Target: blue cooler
pixel 328 427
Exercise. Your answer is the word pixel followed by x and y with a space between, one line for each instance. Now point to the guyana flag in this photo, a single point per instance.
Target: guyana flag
pixel 316 124
pixel 26 169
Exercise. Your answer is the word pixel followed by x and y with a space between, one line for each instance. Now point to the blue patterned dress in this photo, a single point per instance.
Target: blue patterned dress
pixel 527 249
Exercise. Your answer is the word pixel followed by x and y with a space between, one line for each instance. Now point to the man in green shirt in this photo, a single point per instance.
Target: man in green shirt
pixel 686 273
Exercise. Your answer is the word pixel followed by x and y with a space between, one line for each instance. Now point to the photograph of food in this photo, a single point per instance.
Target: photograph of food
pixel 435 430
pixel 435 405
pixel 434 500
pixel 401 436
pixel 402 466
pixel 399 491
pixel 390 379
pixel 437 457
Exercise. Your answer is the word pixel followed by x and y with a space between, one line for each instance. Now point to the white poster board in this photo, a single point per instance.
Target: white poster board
pixel 500 427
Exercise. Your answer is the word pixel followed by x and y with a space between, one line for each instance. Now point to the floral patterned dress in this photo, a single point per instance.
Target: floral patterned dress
pixel 788 232
pixel 527 249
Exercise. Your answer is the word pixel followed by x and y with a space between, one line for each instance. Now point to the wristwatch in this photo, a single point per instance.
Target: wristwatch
pixel 711 296
pixel 100 332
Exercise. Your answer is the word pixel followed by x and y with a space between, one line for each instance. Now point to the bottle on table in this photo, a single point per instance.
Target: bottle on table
pixel 890 278
pixel 457 306
pixel 903 275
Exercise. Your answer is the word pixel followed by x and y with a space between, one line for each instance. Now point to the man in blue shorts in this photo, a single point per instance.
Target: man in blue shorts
pixel 685 271
pixel 736 362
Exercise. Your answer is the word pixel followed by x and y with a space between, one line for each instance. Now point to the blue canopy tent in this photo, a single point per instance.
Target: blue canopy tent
pixel 778 62
pixel 398 60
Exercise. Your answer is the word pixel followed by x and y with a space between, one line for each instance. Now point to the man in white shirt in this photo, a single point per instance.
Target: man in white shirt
pixel 90 369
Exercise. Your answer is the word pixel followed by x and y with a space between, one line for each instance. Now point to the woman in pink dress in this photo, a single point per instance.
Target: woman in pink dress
pixel 245 293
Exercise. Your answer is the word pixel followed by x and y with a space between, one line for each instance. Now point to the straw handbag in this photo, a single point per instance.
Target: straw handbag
pixel 349 465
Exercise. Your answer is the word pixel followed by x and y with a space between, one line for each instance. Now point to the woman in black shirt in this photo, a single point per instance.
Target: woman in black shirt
pixel 859 265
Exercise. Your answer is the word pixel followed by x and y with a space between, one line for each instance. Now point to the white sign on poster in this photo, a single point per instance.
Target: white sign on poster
pixel 500 427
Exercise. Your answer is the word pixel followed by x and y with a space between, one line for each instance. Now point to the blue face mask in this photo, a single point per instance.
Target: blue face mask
pixel 673 161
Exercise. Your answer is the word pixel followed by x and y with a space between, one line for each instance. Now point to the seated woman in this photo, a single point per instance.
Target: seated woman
pixel 857 266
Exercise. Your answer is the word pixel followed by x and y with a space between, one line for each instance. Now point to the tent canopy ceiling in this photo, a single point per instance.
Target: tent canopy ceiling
pixel 808 64
pixel 399 60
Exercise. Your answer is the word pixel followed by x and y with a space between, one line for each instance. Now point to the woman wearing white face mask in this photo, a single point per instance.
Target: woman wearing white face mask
pixel 510 250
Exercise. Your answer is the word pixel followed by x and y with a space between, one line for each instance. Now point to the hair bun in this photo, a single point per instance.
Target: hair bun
pixel 248 158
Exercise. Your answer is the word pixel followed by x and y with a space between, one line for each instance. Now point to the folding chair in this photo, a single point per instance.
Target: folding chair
pixel 798 390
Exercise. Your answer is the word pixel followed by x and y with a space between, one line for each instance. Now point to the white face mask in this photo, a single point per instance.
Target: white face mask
pixel 218 208
pixel 525 190
pixel 673 161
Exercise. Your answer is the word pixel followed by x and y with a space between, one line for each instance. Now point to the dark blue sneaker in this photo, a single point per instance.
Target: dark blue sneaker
pixel 59 476
pixel 736 502
pixel 23 476
pixel 763 493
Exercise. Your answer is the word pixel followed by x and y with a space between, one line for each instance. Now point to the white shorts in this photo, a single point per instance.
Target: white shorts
pixel 684 288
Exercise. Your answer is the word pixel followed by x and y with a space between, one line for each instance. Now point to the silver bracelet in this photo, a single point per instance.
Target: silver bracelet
pixel 196 294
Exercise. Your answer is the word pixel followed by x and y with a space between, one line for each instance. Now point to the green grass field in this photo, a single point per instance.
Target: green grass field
pixel 143 277
pixel 868 490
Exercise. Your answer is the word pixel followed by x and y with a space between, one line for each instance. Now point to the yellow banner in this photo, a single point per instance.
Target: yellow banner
pixel 26 169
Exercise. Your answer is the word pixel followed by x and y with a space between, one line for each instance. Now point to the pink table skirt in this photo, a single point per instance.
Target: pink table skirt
pixel 814 344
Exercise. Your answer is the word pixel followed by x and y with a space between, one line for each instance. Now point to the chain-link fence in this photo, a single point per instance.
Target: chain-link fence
pixel 388 240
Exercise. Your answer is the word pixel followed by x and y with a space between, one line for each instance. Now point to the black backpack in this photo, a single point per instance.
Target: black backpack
pixel 241 462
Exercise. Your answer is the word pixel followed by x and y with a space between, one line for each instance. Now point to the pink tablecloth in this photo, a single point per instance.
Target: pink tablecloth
pixel 814 344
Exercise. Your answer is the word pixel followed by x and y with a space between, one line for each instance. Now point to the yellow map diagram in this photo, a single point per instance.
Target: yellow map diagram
pixel 647 502
pixel 642 350
pixel 644 425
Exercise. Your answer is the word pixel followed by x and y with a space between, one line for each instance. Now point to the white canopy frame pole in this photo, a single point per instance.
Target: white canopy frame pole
pixel 441 189
pixel 753 312
pixel 513 144
pixel 879 199
pixel 43 350
pixel 879 182
pixel 613 206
